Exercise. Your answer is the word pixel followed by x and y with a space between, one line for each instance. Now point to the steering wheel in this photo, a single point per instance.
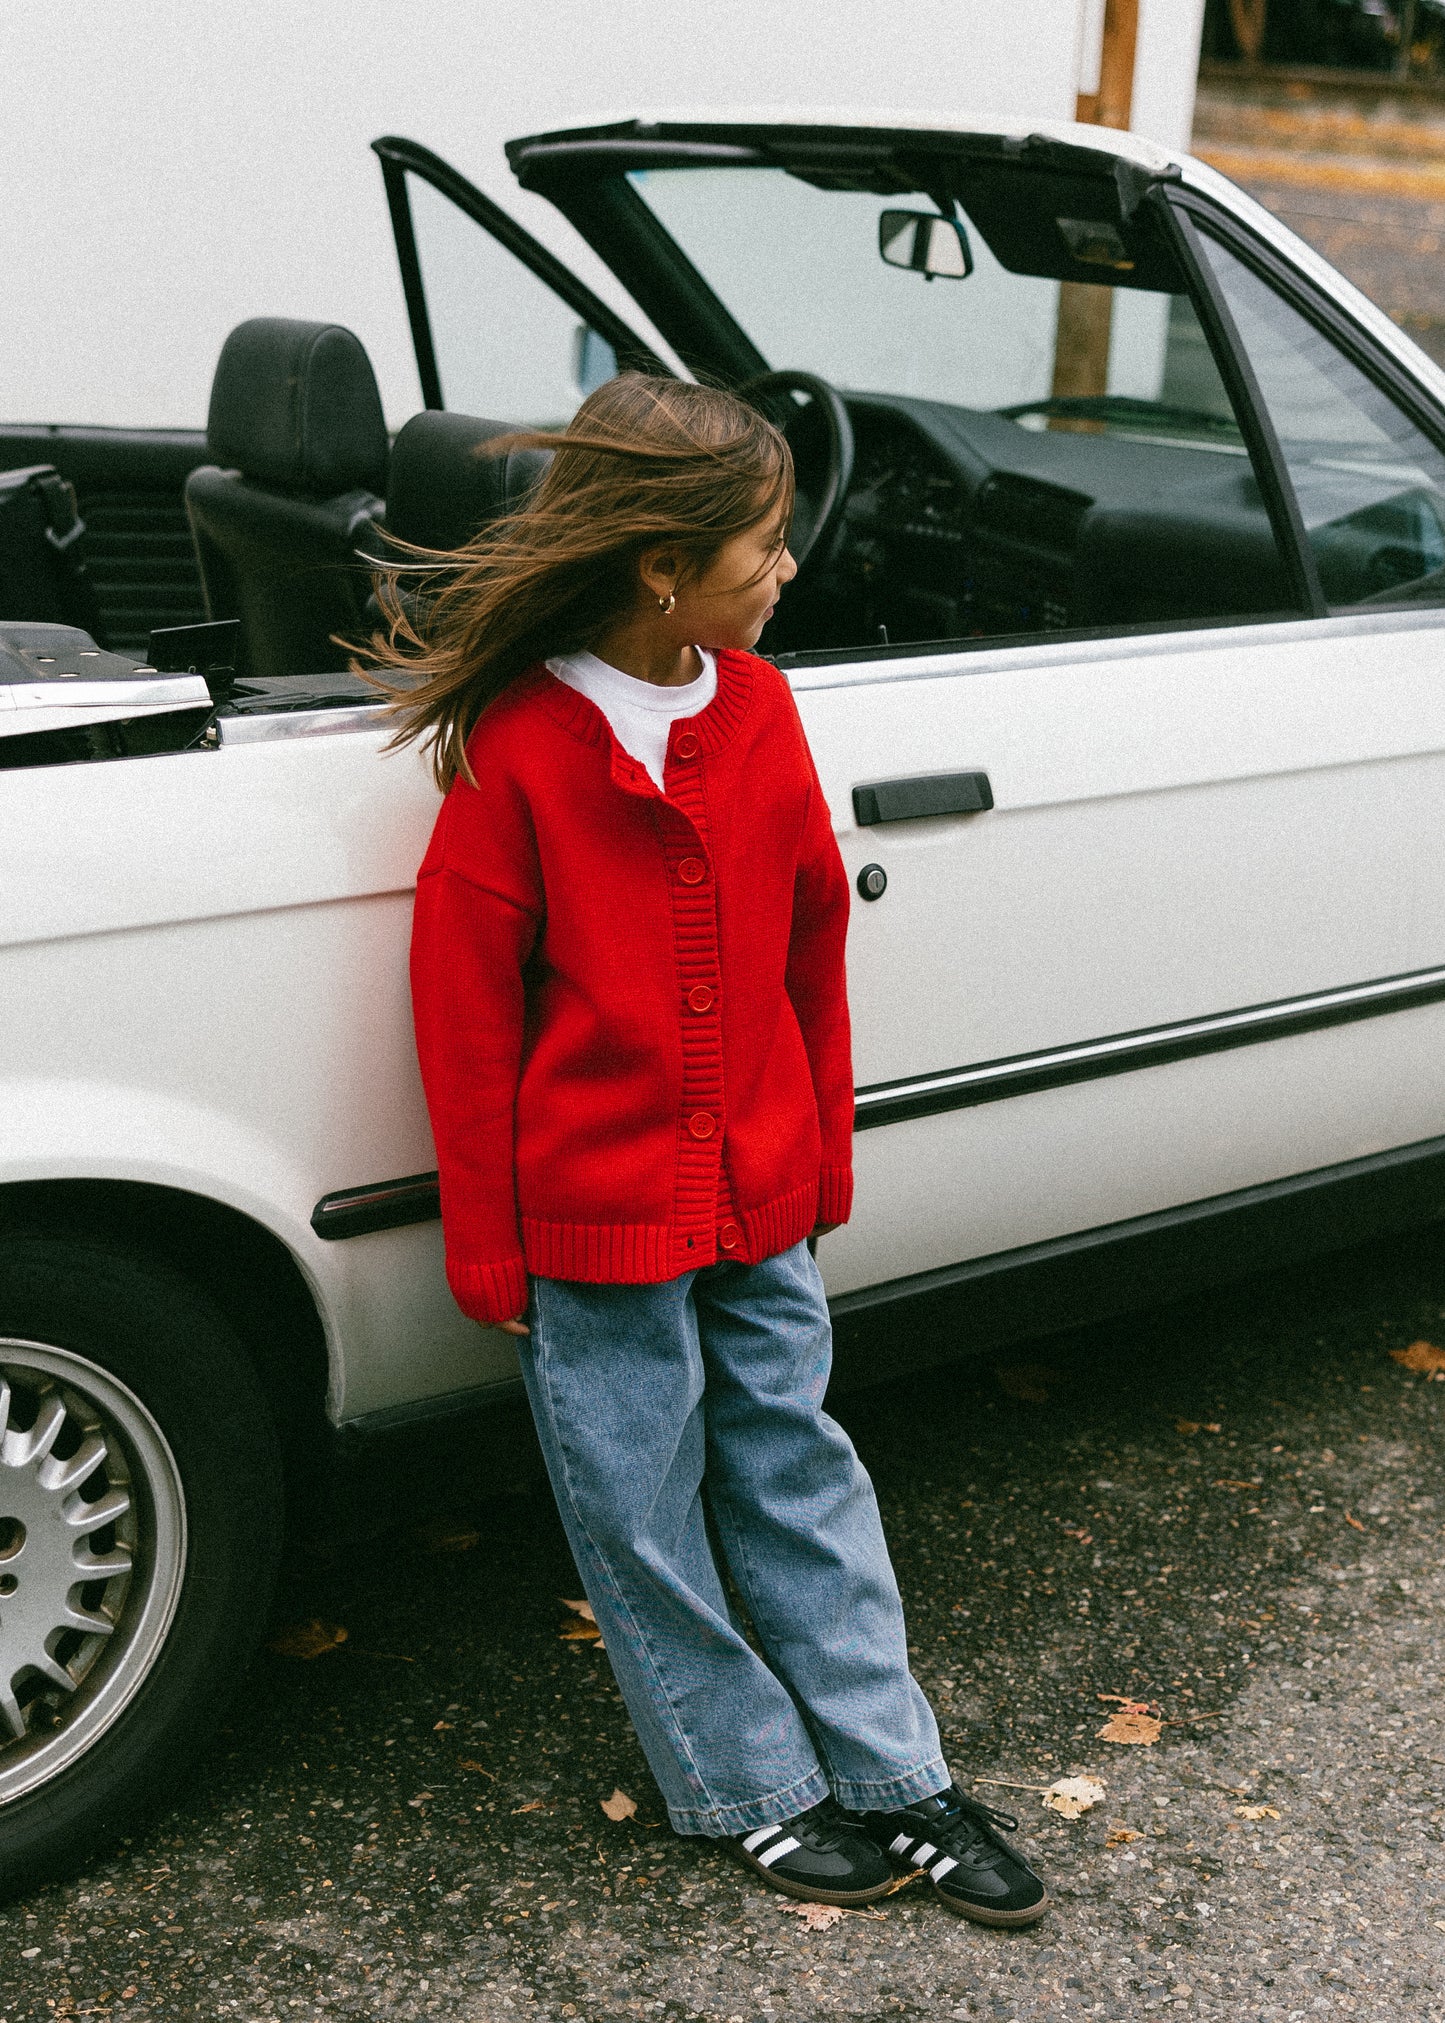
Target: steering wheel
pixel 820 436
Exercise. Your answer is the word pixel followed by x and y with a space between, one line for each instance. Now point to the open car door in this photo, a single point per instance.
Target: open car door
pixel 1124 669
pixel 501 328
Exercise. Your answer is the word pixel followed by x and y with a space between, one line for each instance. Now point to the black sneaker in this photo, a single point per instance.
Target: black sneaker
pixel 975 1872
pixel 821 1856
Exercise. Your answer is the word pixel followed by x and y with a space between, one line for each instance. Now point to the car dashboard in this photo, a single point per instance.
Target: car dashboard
pixel 965 524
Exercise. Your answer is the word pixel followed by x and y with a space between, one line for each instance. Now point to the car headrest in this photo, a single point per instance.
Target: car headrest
pixel 443 485
pixel 295 405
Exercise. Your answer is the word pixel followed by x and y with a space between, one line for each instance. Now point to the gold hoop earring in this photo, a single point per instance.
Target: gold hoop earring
pixel 667 605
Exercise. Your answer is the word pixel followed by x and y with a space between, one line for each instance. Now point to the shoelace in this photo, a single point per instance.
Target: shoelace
pixel 820 1827
pixel 960 1830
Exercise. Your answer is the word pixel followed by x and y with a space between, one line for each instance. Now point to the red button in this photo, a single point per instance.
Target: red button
pixel 692 870
pixel 700 998
pixel 729 1236
pixel 701 1125
pixel 687 747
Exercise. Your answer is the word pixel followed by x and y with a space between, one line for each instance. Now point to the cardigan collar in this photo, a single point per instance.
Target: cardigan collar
pixel 713 726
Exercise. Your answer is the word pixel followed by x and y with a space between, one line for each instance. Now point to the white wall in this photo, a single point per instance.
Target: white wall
pixel 168 168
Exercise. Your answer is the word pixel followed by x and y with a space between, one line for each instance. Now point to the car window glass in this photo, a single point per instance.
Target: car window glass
pixel 1033 453
pixel 506 346
pixel 1370 485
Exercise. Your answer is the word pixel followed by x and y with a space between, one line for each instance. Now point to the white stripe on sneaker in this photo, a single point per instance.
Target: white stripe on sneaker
pixel 940 1868
pixel 776 1853
pixel 902 1844
pixel 754 1840
pixel 923 1854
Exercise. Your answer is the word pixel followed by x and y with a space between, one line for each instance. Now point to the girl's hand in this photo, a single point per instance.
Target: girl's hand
pixel 825 1228
pixel 517 1327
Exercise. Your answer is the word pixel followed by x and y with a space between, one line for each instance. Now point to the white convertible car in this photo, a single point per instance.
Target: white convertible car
pixel 1119 639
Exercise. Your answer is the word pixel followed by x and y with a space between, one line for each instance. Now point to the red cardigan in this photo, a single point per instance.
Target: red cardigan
pixel 630 1007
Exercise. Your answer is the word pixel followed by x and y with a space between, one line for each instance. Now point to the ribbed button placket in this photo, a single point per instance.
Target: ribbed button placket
pixel 683 826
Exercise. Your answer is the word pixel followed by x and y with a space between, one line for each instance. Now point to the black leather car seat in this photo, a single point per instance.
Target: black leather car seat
pixel 444 485
pixel 300 448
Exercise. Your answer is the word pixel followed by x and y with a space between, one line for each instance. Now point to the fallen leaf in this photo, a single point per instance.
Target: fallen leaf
pixel 1350 1518
pixel 618 1806
pixel 440 1536
pixel 583 1609
pixel 1120 1836
pixel 580 1633
pixel 308 1640
pixel 1124 1726
pixel 1186 1425
pixel 1256 1812
pixel 437 1726
pixel 1028 1382
pixel 1073 1795
pixel 470 1763
pixel 1227 1482
pixel 817 1917
pixel 537 1805
pixel 1422 1357
pixel 1212 1426
pixel 903 1882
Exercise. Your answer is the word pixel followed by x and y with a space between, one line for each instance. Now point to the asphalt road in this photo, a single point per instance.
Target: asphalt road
pixel 410 1824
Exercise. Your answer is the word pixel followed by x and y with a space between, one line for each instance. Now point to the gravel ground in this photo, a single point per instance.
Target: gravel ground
pixel 410 1824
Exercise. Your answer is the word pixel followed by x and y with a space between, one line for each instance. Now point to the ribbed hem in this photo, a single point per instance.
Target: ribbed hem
pixel 644 1253
pixel 779 1223
pixel 835 1193
pixel 490 1293
pixel 606 1253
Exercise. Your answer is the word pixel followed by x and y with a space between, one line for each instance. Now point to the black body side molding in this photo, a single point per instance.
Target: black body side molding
pixel 388 1204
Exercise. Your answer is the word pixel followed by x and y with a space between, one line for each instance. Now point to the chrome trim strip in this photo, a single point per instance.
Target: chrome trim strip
pixel 393 1204
pixel 164 691
pixel 298 723
pixel 1123 1053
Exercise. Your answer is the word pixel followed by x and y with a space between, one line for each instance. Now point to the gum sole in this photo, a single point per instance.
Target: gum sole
pixel 1000 1920
pixel 846 1898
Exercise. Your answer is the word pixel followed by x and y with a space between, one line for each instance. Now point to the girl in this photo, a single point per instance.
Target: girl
pixel 627 970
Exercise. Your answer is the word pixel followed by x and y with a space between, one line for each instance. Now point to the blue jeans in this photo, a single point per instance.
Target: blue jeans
pixel 658 1403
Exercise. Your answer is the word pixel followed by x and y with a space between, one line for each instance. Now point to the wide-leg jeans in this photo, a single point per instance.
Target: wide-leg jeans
pixel 681 1416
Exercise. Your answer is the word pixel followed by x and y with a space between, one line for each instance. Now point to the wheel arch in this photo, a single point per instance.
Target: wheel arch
pixel 245 1269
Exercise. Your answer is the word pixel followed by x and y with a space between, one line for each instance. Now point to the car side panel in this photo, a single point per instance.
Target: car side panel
pixel 211 953
pixel 1183 826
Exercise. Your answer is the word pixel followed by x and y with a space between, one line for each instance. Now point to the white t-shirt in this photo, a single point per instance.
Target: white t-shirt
pixel 640 712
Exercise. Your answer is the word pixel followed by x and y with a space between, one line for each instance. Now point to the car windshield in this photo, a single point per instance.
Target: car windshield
pixel 799 268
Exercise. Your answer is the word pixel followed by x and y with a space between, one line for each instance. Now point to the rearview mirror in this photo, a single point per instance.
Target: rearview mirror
pixel 925 243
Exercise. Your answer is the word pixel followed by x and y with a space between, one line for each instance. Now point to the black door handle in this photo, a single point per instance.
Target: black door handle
pixel 924 794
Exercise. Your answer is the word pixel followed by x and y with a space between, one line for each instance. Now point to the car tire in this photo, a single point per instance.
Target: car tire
pixel 136 1446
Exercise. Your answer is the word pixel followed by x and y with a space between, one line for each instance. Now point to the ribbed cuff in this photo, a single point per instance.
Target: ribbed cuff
pixel 490 1293
pixel 835 1193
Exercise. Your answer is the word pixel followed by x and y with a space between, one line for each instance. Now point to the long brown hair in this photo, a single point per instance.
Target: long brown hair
pixel 643 460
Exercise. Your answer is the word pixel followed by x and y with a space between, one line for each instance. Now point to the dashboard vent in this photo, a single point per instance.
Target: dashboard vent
pixel 1025 509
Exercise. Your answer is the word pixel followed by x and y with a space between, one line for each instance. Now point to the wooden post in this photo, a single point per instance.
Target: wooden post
pixel 1113 102
pixel 1081 342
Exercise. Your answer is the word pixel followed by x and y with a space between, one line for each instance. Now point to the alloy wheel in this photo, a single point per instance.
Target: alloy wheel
pixel 92 1556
